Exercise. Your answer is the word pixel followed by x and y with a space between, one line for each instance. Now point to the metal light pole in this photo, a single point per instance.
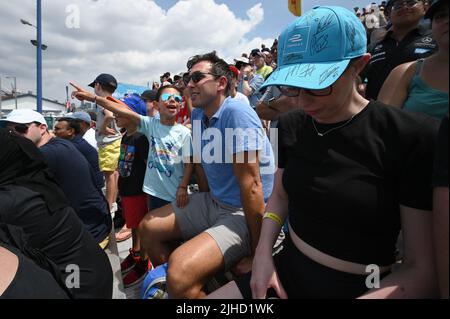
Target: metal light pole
pixel 1 111
pixel 39 56
pixel 15 88
pixel 39 48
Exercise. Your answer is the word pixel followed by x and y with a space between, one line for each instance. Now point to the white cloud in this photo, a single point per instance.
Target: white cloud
pixel 135 40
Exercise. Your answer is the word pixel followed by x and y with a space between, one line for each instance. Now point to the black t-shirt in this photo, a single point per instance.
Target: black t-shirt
pixel 388 54
pixel 75 175
pixel 440 177
pixel 132 164
pixel 62 237
pixel 32 282
pixel 345 188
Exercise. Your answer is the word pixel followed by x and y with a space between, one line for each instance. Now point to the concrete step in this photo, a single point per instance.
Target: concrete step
pixel 113 255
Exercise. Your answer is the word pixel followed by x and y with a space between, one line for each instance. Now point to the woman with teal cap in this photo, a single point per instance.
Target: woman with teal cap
pixel 352 173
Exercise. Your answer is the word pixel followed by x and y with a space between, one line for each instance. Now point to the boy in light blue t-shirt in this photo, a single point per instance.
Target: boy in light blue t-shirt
pixel 169 165
pixel 168 173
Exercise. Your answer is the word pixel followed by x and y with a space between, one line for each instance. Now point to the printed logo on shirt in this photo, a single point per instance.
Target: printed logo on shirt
pixel 127 153
pixel 163 157
pixel 427 40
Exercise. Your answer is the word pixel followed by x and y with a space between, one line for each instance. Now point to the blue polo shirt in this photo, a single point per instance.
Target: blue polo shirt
pixel 235 128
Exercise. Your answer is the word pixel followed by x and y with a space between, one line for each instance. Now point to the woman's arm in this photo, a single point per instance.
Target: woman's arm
pixel 440 218
pixel 264 275
pixel 277 204
pixel 416 277
pixel 395 89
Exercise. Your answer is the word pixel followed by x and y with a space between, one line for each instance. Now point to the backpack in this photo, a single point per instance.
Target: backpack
pixel 154 286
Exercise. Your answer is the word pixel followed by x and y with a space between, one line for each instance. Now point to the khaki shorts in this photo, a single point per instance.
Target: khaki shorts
pixel 225 224
pixel 104 243
pixel 108 156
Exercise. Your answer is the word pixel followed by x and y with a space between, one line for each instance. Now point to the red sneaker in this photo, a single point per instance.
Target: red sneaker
pixel 137 274
pixel 129 262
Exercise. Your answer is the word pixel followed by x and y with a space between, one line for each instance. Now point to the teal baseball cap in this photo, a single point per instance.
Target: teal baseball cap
pixel 315 49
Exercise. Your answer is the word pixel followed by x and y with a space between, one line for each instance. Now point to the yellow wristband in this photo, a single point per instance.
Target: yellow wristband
pixel 274 217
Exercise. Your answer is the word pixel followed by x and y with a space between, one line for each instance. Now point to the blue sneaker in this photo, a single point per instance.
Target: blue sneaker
pixel 154 286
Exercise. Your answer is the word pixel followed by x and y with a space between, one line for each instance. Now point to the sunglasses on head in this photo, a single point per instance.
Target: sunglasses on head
pixel 22 128
pixel 166 97
pixel 196 76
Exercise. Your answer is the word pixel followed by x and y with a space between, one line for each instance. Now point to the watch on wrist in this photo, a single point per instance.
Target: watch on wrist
pixel 270 100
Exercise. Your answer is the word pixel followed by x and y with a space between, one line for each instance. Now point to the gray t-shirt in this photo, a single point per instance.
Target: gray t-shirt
pixel 103 140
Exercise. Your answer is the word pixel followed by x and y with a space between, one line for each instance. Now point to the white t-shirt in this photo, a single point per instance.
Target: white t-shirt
pixel 89 136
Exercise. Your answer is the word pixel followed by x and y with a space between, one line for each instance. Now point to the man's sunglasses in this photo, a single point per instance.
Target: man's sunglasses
pixel 22 128
pixel 166 97
pixel 401 4
pixel 196 76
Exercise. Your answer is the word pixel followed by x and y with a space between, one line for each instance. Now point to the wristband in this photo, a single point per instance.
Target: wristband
pixel 274 217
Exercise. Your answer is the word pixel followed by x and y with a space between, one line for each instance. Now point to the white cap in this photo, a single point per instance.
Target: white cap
pixel 24 117
pixel 243 60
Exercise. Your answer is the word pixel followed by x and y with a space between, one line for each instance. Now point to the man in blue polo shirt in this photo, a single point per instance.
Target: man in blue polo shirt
pixel 220 226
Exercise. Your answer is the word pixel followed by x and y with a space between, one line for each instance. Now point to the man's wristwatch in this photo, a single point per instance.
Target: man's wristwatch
pixel 269 100
pixel 245 78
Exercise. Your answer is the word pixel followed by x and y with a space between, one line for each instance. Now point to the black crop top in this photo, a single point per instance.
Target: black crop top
pixel 345 188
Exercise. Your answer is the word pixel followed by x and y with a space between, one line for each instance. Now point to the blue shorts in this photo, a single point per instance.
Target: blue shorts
pixel 156 202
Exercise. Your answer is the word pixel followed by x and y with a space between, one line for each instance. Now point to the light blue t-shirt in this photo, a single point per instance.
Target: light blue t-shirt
pixel 234 129
pixel 169 146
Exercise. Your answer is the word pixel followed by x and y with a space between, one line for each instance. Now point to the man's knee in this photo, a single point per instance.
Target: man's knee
pixel 181 278
pixel 146 227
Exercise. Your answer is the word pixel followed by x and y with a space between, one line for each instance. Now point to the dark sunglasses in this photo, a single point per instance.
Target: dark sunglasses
pixel 23 128
pixel 291 91
pixel 401 4
pixel 196 76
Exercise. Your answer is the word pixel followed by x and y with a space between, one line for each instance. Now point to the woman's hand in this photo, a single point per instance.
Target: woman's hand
pixel 264 276
pixel 182 197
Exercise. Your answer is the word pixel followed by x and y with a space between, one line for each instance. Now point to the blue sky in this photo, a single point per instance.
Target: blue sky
pixel 276 13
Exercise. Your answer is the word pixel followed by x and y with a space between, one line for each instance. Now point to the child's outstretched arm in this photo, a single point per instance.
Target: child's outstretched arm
pixel 112 106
